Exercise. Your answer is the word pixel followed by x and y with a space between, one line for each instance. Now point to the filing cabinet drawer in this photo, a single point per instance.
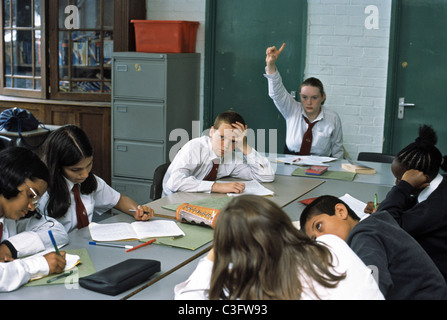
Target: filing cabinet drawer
pixel 137 160
pixel 138 191
pixel 140 79
pixel 139 120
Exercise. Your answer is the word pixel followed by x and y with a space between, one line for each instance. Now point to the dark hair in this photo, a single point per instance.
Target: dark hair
pixel 64 147
pixel 16 165
pixel 314 82
pixel 324 204
pixel 422 154
pixel 260 254
pixel 228 117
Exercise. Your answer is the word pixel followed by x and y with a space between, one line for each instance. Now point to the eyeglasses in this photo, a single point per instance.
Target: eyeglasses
pixel 35 197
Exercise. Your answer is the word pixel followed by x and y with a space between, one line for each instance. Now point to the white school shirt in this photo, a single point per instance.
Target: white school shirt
pixel 359 284
pixel 28 236
pixel 195 160
pixel 327 134
pixel 434 184
pixel 99 201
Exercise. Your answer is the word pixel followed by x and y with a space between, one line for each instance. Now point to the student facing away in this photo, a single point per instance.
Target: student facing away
pixel 258 254
pixel 202 160
pixel 23 179
pixel 74 192
pixel 405 271
pixel 311 127
pixel 418 201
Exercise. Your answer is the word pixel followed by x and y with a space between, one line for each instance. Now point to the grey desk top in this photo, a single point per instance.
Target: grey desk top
pixel 177 264
pixel 361 191
pixel 383 175
pixel 164 289
pixel 286 189
pixel 103 257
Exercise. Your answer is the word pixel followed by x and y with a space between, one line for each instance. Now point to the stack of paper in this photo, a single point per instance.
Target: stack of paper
pixel 305 160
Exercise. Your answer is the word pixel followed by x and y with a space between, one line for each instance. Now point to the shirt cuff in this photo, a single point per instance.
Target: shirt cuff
pixel 26 243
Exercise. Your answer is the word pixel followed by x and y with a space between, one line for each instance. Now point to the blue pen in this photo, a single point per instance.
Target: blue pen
pixel 54 242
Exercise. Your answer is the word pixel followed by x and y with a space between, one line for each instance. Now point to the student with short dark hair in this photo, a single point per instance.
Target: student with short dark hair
pixel 418 201
pixel 311 127
pixel 68 154
pixel 23 179
pixel 258 254
pixel 201 161
pixel 405 271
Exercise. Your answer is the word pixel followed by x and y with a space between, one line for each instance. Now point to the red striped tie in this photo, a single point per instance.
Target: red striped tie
pixel 213 173
pixel 307 138
pixel 81 213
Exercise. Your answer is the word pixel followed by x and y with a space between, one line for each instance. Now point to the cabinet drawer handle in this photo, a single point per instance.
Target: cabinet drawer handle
pixel 122 109
pixel 121 148
pixel 121 68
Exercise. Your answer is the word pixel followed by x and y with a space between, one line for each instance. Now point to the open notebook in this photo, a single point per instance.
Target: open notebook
pixel 134 231
pixel 72 260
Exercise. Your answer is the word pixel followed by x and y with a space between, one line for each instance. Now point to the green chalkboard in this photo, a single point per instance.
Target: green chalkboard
pixel 238 33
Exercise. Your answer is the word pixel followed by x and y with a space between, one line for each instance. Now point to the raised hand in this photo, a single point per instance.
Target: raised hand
pixel 272 54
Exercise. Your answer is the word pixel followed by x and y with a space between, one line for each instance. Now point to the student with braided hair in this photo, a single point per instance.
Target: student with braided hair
pixel 418 201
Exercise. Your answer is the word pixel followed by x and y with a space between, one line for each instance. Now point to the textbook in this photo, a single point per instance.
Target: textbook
pixel 134 231
pixel 316 170
pixel 357 168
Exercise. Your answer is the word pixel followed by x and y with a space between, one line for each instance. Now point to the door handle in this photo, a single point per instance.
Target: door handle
pixel 401 109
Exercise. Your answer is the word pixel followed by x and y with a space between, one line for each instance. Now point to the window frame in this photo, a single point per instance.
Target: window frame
pixel 29 93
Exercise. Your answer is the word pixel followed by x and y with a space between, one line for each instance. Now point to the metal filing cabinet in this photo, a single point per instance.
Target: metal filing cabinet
pixel 152 95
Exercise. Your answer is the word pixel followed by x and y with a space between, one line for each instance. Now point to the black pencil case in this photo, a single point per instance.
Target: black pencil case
pixel 121 277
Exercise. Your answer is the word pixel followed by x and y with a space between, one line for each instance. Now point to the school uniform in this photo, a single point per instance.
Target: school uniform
pixel 99 201
pixel 358 284
pixel 195 160
pixel 25 238
pixel 327 132
pixel 405 271
pixel 423 216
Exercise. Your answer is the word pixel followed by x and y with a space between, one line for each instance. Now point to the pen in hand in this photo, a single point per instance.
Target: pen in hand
pixel 133 210
pixel 375 201
pixel 54 242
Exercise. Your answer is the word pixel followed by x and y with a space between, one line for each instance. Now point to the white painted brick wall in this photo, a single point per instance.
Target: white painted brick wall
pixel 351 60
pixel 352 63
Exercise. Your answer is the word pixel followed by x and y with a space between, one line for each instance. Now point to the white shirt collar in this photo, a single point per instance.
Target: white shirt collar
pixel 318 118
pixel 432 187
pixel 69 184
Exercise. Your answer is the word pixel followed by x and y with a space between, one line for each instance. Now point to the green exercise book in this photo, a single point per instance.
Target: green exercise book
pixel 335 175
pixel 195 237
pixel 83 269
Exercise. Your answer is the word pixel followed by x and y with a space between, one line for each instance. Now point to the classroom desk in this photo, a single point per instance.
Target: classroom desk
pixel 164 289
pixel 383 175
pixel 103 257
pixel 362 191
pixel 286 188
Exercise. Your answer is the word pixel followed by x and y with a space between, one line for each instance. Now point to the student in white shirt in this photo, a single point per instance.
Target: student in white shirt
pixel 192 168
pixel 23 179
pixel 327 134
pixel 68 154
pixel 258 254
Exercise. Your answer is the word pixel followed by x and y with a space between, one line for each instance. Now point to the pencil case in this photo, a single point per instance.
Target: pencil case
pixel 121 277
pixel 189 213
